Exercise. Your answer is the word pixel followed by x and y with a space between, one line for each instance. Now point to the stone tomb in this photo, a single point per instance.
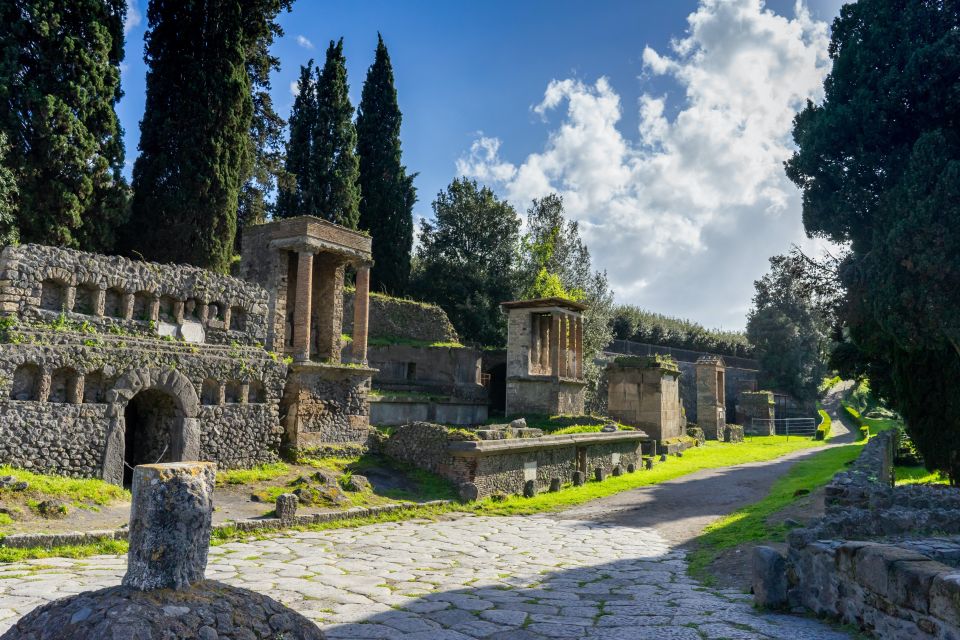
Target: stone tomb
pixel 545 356
pixel 711 401
pixel 644 392
pixel 757 411
pixel 302 262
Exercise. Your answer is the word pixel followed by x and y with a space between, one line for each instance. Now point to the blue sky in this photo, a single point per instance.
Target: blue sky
pixel 475 71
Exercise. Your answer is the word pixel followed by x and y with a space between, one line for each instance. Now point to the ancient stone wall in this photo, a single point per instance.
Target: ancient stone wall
pixel 398 319
pixel 66 398
pixel 643 391
pixel 448 371
pixel 883 558
pixel 41 284
pixel 759 406
pixel 326 404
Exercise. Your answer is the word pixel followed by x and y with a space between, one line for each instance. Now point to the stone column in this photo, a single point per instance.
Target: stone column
pixel 301 314
pixel 75 389
pixel 155 309
pixel 564 345
pixel 170 515
pixel 43 386
pixel 126 304
pixel 178 306
pixel 555 344
pixel 100 302
pixel 361 314
pixel 244 393
pixel 69 297
pixel 578 348
pixel 543 325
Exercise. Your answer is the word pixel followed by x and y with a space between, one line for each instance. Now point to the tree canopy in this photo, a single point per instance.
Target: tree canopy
pixel 59 85
pixel 465 259
pixel 879 167
pixel 296 196
pixel 387 193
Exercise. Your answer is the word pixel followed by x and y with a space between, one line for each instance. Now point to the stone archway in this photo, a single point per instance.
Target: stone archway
pixel 161 385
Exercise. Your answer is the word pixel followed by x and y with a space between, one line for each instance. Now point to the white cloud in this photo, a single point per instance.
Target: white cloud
pixel 304 42
pixel 684 214
pixel 294 87
pixel 134 17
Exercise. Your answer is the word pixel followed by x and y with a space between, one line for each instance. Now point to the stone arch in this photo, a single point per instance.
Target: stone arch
pixel 185 435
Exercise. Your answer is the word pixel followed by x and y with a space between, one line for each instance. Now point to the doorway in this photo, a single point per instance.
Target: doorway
pixel 151 418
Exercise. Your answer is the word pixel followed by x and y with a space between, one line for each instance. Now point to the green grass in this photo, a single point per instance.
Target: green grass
pixel 826 424
pixel 106 547
pixel 918 475
pixel 710 456
pixel 389 341
pixel 829 383
pixel 259 473
pixel 78 491
pixel 751 523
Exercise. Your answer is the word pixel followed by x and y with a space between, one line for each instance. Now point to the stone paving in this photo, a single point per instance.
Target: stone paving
pixel 512 578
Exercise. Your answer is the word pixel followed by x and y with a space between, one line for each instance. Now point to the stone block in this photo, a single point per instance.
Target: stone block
pixel 287 507
pixel 945 598
pixel 617 471
pixel 600 474
pixel 529 488
pixel 577 478
pixel 170 512
pixel 733 433
pixel 554 485
pixel 873 567
pixel 194 332
pixel 469 492
pixel 769 578
pixel 631 468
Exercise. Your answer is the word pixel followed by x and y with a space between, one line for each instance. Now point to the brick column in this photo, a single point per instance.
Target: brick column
pixel 564 345
pixel 543 326
pixel 361 314
pixel 301 314
pixel 555 344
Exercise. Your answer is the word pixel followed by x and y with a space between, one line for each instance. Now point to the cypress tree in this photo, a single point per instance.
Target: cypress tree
pixel 334 167
pixel 290 198
pixel 266 127
pixel 387 193
pixel 8 198
pixel 59 84
pixel 195 146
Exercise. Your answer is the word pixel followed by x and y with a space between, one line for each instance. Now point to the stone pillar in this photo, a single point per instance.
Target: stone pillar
pixel 564 346
pixel 301 314
pixel 100 302
pixel 178 306
pixel 126 304
pixel 69 297
pixel 555 344
pixel 75 389
pixel 244 393
pixel 170 515
pixel 543 326
pixel 578 348
pixel 361 314
pixel 43 386
pixel 155 309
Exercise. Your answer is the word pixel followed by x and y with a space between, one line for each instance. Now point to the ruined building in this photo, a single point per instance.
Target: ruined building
pixel 107 363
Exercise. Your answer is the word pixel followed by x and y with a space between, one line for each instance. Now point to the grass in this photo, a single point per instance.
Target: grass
pixel 106 547
pixel 259 473
pixel 752 523
pixel 389 341
pixel 826 424
pixel 918 475
pixel 79 492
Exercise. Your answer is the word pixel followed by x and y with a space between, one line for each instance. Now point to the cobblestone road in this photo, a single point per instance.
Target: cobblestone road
pixel 472 577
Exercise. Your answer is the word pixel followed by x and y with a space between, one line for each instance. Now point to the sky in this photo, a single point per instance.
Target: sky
pixel 664 124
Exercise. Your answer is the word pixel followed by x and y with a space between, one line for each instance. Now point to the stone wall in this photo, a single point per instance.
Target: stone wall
pixel 397 410
pixel 505 466
pixel 65 398
pixel 39 284
pixel 643 391
pixel 395 318
pixel 450 371
pixel 883 558
pixel 326 404
pixel 759 406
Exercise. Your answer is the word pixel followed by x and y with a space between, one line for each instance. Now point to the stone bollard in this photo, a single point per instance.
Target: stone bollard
pixel 529 488
pixel 577 478
pixel 170 513
pixel 648 463
pixel 617 471
pixel 600 474
pixel 287 507
pixel 469 492
pixel 631 468
pixel 554 485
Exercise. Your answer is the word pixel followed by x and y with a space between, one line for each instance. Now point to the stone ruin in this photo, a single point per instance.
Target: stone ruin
pixel 545 357
pixel 643 392
pixel 164 593
pixel 711 400
pixel 756 410
pixel 108 363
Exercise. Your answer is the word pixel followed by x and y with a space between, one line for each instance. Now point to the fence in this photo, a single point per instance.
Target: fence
pixel 787 426
pixel 630 348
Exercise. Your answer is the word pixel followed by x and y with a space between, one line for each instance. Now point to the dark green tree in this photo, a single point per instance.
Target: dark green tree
pixel 334 167
pixel 789 329
pixel 879 166
pixel 295 196
pixel 8 198
pixel 387 193
pixel 266 127
pixel 465 259
pixel 196 151
pixel 59 84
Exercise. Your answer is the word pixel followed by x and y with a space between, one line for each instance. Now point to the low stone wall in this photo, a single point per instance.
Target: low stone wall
pixel 240 435
pixel 398 410
pixel 326 404
pixel 451 371
pixel 63 439
pixel 484 468
pixel 882 558
pixel 405 319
